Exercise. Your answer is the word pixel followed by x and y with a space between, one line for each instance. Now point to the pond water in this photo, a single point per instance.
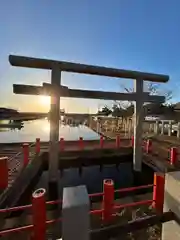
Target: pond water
pixel 92 177
pixel 41 128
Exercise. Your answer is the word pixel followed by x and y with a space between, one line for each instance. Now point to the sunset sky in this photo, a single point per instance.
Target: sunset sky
pixel 139 35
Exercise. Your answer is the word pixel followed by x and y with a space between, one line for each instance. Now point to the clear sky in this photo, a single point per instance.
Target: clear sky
pixel 131 34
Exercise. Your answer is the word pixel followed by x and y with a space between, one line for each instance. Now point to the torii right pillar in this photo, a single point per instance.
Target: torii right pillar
pixel 138 125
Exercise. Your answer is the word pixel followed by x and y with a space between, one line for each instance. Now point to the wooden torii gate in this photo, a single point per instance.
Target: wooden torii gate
pixel 56 90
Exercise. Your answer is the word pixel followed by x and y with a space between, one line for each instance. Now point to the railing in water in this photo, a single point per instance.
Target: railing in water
pixel 11 166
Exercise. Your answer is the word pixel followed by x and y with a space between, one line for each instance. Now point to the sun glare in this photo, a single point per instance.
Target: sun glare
pixel 45 100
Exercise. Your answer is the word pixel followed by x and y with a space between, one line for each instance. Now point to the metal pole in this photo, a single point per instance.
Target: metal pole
pixel 101 142
pixel 170 128
pixel 25 154
pixel 157 127
pixel 149 146
pixel 158 192
pixel 38 147
pixel 61 144
pixel 81 143
pixel 178 131
pixel 138 122
pixel 54 126
pixel 132 141
pixel 39 214
pixel 173 156
pixel 117 141
pixel 108 200
pixel 3 173
pixel 162 128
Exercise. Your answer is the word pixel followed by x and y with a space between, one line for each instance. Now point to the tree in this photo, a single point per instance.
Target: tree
pixel 126 109
pixel 105 111
pixel 117 111
pixel 154 89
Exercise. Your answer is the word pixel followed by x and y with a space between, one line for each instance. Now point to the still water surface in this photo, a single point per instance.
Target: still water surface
pixel 41 128
pixel 92 177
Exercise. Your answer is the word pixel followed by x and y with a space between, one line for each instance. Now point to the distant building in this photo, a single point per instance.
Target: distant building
pixel 177 106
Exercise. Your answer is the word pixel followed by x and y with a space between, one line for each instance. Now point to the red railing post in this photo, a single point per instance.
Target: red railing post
pixel 148 146
pixel 81 144
pixel 108 200
pixel 39 214
pixel 38 145
pixel 158 192
pixel 173 155
pixel 61 144
pixel 3 172
pixel 132 141
pixel 101 142
pixel 117 141
pixel 26 154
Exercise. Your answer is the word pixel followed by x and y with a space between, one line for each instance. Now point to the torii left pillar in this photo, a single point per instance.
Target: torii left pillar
pixel 138 128
pixel 54 133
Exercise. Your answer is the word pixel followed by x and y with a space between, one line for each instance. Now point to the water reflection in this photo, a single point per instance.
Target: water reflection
pixel 47 128
pixel 92 177
pixel 6 125
pixel 41 128
pixel 71 177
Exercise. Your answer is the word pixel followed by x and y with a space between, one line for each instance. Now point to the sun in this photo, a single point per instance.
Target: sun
pixel 45 100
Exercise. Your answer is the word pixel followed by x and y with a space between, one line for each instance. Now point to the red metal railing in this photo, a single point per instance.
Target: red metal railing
pixel 10 167
pixel 25 207
pixel 172 152
pixel 28 151
pixel 144 202
pixel 109 205
pixel 14 164
pixel 38 206
pixel 134 188
pixel 17 229
pixel 97 211
pixel 173 155
pixel 102 143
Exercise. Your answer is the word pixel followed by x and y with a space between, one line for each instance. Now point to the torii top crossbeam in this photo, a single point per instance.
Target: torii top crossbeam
pixel 21 61
pixel 56 90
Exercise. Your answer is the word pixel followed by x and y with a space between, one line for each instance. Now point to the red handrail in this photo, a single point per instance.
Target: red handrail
pixel 96 194
pixel 18 229
pixel 13 209
pixel 96 211
pixel 148 202
pixel 53 221
pixel 18 208
pixel 157 200
pixel 130 189
pixel 27 227
pixel 123 190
